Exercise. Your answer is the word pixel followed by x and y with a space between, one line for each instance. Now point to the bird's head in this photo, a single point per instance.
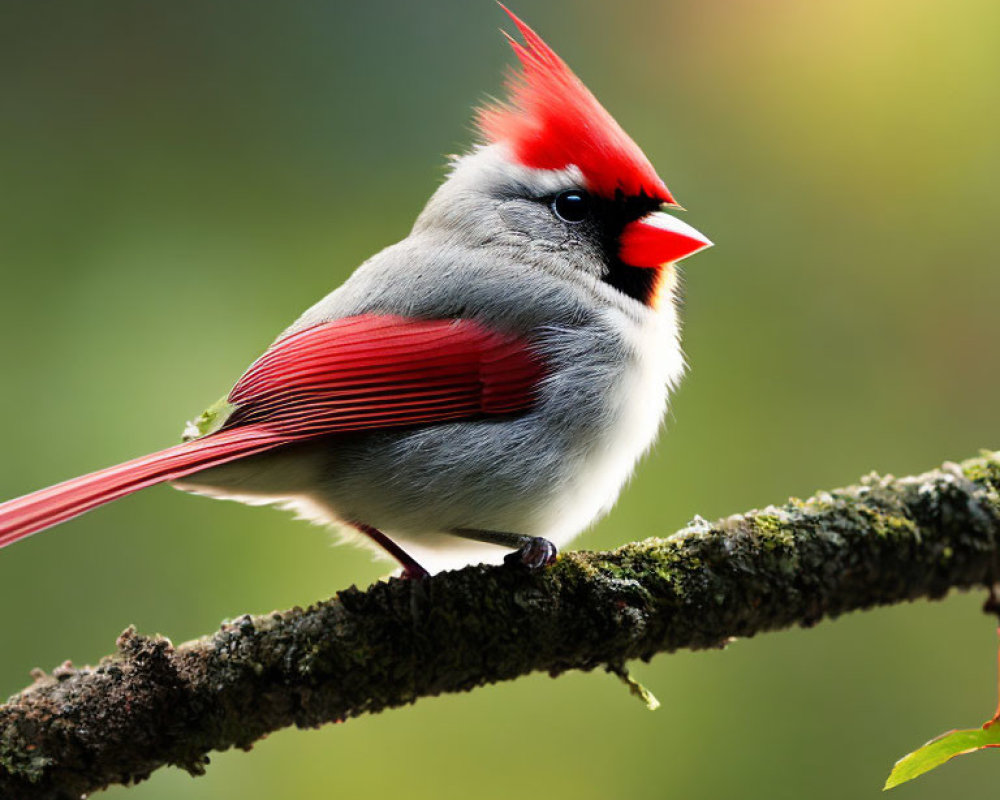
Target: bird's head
pixel 558 180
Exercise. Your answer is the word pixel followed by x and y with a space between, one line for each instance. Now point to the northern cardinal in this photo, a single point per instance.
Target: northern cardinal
pixel 490 380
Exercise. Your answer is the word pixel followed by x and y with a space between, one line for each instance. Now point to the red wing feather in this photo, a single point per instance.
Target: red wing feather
pixel 376 371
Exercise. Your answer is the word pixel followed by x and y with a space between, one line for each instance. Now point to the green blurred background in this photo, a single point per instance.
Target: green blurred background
pixel 179 180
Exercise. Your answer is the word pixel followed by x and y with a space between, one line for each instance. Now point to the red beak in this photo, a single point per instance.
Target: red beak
pixel 659 239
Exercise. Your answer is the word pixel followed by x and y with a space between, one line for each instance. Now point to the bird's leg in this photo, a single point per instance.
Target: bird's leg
pixel 411 569
pixel 533 552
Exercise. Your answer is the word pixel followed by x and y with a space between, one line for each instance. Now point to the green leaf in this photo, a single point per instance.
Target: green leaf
pixel 210 420
pixel 937 751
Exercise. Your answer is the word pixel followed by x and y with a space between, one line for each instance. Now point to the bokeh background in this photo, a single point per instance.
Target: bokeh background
pixel 179 180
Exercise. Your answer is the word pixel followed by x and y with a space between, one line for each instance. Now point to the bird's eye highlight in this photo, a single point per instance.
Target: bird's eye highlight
pixel 572 206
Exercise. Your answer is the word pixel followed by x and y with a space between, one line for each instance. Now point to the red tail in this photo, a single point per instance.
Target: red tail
pixel 42 509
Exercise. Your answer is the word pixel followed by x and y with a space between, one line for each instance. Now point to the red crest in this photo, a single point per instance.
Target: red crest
pixel 552 121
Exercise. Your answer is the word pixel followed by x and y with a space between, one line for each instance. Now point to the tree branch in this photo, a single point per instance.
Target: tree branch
pixel 150 703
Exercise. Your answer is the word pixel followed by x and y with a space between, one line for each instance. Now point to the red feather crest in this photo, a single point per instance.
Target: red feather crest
pixel 552 121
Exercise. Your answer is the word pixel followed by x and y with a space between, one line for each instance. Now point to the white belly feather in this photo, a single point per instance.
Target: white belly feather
pixel 635 414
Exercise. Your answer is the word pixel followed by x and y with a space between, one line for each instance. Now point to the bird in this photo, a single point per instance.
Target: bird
pixel 478 392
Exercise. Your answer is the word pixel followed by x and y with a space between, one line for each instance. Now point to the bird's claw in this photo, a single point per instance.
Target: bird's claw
pixel 534 555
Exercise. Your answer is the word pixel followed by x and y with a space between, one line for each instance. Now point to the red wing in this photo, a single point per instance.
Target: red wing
pixel 353 374
pixel 373 371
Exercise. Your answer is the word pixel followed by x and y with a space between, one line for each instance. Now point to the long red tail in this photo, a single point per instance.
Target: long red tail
pixel 34 512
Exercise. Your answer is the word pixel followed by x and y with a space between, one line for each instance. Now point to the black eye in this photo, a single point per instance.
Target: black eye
pixel 572 206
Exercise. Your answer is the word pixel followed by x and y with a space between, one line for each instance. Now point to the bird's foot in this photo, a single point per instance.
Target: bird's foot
pixel 533 554
pixel 414 572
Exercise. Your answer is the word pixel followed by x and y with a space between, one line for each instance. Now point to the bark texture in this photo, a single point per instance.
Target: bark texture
pixel 150 703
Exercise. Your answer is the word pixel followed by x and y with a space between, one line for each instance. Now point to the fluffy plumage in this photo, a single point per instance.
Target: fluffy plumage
pixel 499 370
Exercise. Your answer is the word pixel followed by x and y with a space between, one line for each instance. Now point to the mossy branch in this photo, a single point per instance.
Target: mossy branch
pixel 885 541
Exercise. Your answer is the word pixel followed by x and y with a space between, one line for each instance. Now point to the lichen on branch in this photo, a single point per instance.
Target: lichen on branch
pixel 151 704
